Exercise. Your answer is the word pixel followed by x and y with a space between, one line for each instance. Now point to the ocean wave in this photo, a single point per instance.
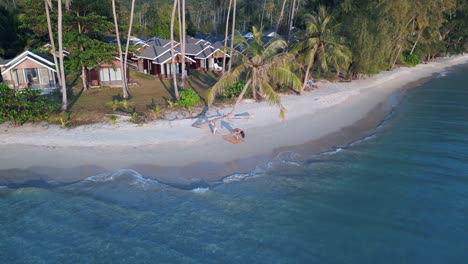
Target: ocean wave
pixel 442 74
pixel 131 176
pixel 201 190
pixel 331 152
pixel 3 187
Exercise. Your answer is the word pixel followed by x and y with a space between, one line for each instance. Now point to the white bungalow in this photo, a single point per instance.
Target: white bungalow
pixel 29 70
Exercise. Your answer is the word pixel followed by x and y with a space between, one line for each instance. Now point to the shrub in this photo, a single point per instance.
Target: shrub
pixel 235 89
pixel 411 60
pixel 22 106
pixel 188 98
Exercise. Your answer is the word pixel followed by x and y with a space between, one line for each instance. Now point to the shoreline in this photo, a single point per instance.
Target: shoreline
pixel 176 153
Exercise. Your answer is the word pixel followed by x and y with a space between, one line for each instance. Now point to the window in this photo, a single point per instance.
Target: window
pixel 110 74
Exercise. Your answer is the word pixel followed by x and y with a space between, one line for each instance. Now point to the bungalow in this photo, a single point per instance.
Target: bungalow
pixel 29 70
pixel 155 58
pixel 106 74
pixel 206 57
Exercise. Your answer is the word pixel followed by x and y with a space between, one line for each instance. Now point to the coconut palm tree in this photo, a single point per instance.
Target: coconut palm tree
pixel 226 35
pixel 233 29
pixel 261 67
pixel 48 4
pixel 60 43
pixel 321 44
pixel 132 10
pixel 173 68
pixel 183 44
pixel 117 36
pixel 278 23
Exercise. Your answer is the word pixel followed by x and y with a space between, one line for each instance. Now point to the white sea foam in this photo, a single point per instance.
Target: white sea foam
pixel 3 187
pixel 238 177
pixel 134 178
pixel 201 190
pixel 332 152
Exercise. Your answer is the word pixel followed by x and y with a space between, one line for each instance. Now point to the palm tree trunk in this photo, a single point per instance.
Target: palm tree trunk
pixel 84 79
pixel 52 41
pixel 183 43
pixel 239 98
pixel 174 77
pixel 226 36
pixel 117 35
pixel 232 34
pixel 62 67
pixel 128 44
pixel 306 78
pixel 291 21
pixel 415 43
pixel 280 17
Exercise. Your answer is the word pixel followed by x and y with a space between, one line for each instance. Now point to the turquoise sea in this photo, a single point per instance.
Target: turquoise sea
pixel 397 196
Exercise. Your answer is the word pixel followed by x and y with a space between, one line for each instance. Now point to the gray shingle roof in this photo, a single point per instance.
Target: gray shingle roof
pixel 4 62
pixel 152 52
pixel 194 49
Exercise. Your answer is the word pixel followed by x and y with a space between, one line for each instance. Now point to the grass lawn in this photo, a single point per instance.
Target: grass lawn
pixel 94 105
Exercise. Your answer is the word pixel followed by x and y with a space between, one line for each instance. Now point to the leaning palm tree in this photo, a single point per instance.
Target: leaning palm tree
pixel 117 35
pixel 321 44
pixel 262 67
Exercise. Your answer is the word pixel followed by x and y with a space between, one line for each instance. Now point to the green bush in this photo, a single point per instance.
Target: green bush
pixel 188 98
pixel 411 60
pixel 22 106
pixel 235 89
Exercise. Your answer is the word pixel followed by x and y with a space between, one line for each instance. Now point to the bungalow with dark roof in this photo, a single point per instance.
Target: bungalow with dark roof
pixel 206 57
pixel 29 70
pixel 155 58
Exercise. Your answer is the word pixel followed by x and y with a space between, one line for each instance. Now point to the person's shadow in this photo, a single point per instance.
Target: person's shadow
pixel 227 125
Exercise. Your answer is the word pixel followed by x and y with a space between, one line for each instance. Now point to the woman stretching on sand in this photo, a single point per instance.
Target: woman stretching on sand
pixel 236 132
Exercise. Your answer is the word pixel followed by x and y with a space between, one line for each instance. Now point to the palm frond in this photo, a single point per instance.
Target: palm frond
pixel 224 82
pixel 283 75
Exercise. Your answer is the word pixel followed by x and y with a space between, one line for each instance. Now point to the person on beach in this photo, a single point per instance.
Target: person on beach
pixel 237 132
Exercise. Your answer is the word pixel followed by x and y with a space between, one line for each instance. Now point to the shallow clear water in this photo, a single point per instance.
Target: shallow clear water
pixel 400 196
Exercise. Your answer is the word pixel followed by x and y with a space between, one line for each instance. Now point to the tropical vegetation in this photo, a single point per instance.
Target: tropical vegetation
pixel 338 39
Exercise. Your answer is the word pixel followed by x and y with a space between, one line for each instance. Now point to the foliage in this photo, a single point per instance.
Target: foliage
pixel 263 65
pixel 235 89
pixel 22 106
pixel 113 119
pixel 188 98
pixel 411 60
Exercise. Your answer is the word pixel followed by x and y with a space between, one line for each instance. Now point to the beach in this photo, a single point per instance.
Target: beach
pixel 175 152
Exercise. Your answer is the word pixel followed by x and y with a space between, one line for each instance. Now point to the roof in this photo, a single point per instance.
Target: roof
pixel 194 49
pixel 208 52
pixel 159 42
pixel 38 58
pixel 4 62
pixel 152 52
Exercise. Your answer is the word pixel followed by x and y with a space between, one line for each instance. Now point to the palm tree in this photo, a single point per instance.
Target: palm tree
pixel 233 29
pixel 117 35
pixel 60 43
pixel 226 36
pixel 262 67
pixel 278 23
pixel 321 44
pixel 174 78
pixel 48 4
pixel 182 45
pixel 128 43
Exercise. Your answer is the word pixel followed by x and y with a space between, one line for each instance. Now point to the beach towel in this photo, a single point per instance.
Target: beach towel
pixel 233 139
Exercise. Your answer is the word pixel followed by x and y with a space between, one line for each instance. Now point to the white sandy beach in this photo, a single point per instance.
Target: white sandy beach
pixel 174 151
